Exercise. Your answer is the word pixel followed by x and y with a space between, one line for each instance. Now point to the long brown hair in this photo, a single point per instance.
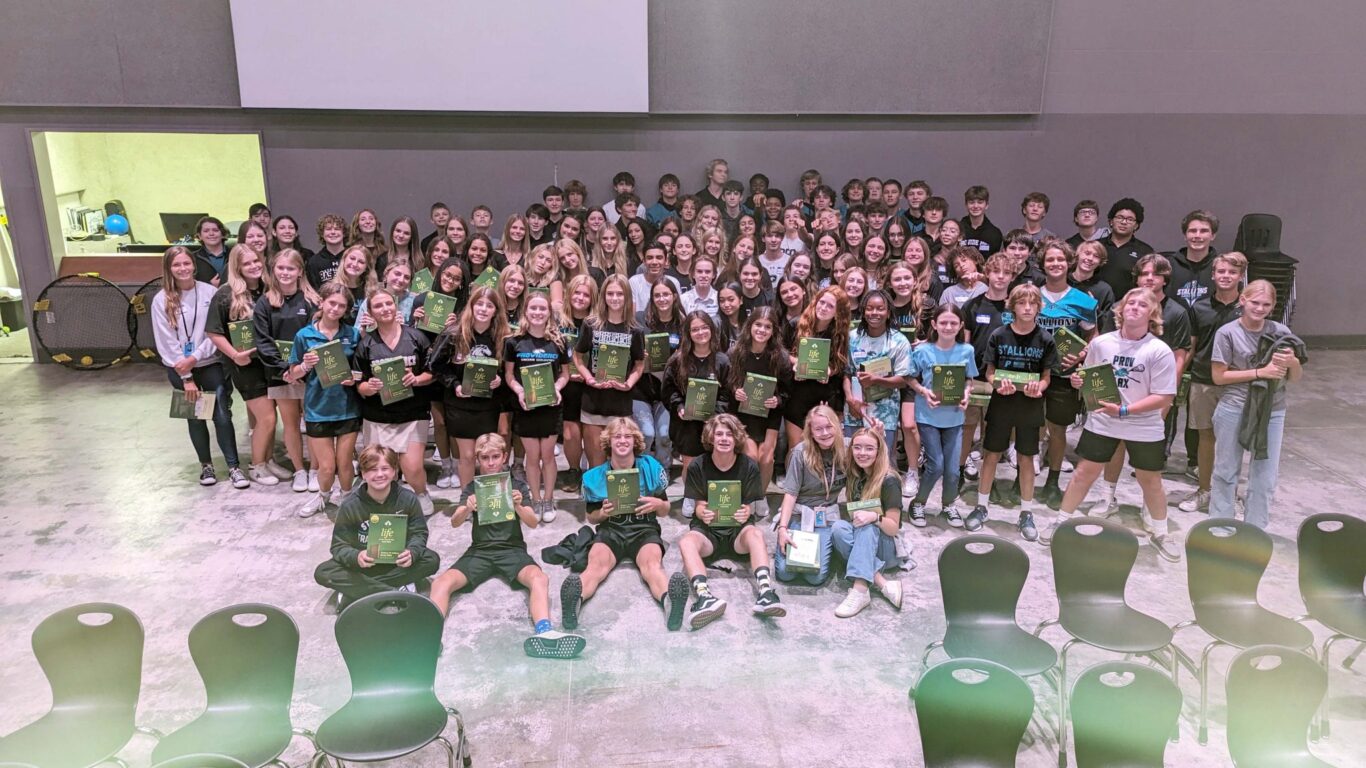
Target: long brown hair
pixel 462 334
pixel 774 356
pixel 168 284
pixel 354 236
pixel 682 359
pixel 839 326
pixel 414 257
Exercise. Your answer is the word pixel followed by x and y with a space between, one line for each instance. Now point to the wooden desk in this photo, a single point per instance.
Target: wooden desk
pixel 119 268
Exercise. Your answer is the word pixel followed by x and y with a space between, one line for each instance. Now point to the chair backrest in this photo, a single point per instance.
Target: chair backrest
pixel 1122 714
pixel 390 642
pixel 972 712
pixel 1092 559
pixel 1273 694
pixel 1332 554
pixel 246 655
pixel 981 577
pixel 1258 233
pixel 202 761
pixel 1225 562
pixel 92 657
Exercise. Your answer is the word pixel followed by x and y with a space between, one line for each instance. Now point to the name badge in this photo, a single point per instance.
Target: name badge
pixel 820 518
pixel 188 349
pixel 984 319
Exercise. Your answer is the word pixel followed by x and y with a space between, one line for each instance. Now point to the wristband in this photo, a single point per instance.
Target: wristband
pixel 1123 411
pixel 187 377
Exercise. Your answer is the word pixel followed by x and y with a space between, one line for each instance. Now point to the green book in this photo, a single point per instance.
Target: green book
pixel 286 349
pixel 544 289
pixel 979 399
pixel 857 506
pixel 493 493
pixel 436 309
pixel 422 281
pixel 657 351
pixel 489 277
pixel 699 403
pixel 390 373
pixel 623 490
pixel 201 409
pixel 538 384
pixel 1067 343
pixel 242 334
pixel 878 366
pixel 1019 377
pixel 386 538
pixel 1183 390
pixel 333 367
pixel 571 339
pixel 479 375
pixel 805 552
pixel 950 381
pixel 813 359
pixel 758 388
pixel 909 333
pixel 613 362
pixel 1098 386
pixel 723 498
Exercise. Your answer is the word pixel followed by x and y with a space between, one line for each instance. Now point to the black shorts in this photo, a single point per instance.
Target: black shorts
pixel 571 400
pixel 480 565
pixel 996 439
pixel 250 380
pixel 686 436
pixel 757 427
pixel 805 395
pixel 1149 456
pixel 332 428
pixel 1062 402
pixel 626 542
pixel 722 539
pixel 470 425
pixel 537 422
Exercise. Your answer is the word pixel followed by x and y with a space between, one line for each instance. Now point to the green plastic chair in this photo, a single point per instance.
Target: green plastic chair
pixel 202 761
pixel 95 672
pixel 1274 693
pixel 248 673
pixel 1122 714
pixel 390 642
pixel 1332 571
pixel 972 712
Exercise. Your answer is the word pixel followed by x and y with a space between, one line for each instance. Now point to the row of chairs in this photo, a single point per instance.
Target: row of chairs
pixel 982 577
pixel 246 655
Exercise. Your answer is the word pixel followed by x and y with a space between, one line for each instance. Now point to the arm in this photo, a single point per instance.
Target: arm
pixel 1223 376
pixel 637 371
pixel 346 538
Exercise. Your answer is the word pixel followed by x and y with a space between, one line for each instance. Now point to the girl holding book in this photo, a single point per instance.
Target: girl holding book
pixel 479 333
pixel 332 418
pixel 663 316
pixel 611 324
pixel 180 311
pixel 879 366
pixel 280 313
pixel 826 317
pixel 583 294
pixel 730 317
pixel 940 423
pixel 538 342
pixel 699 356
pixel 403 246
pixel 759 351
pixel 449 278
pixel 400 425
pixel 817 465
pixel 867 539
pixel 355 275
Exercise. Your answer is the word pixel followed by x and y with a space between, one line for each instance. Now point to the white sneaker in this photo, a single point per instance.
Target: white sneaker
pixel 279 471
pixel 445 474
pixel 853 604
pixel 1046 536
pixel 424 500
pixel 547 511
pixel 1197 501
pixel 261 475
pixel 335 497
pixel 910 484
pixel 315 504
pixel 1066 466
pixel 313 480
pixel 1168 546
pixel 891 590
pixel 1011 458
pixel 1108 506
pixel 300 481
pixel 972 467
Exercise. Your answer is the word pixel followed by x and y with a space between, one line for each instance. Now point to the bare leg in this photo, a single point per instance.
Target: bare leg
pixel 324 453
pixel 411 464
pixel 1026 471
pixel 533 468
pixel 294 441
pixel 444 586
pixel 1154 497
pixel 346 451
pixel 262 411
pixel 601 561
pixel 1206 452
pixel 766 450
pixel 650 562
pixel 592 436
pixel 466 461
pixel 693 547
pixel 534 579
pixel 573 444
pixel 1115 466
pixel 1080 485
pixel 549 470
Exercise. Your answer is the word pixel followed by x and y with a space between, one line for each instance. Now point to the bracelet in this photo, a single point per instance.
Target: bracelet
pixel 1123 411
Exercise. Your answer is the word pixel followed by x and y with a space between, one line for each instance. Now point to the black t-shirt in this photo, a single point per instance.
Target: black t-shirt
pixel 452 371
pixel 608 402
pixel 750 303
pixel 322 266
pixel 526 350
pixel 986 238
pixel 675 391
pixel 889 493
pixel 748 362
pixel 1208 315
pixel 1032 352
pixel 505 534
pixel 744 469
pixel 982 316
pixel 414 348
pixel 1176 324
pixel 1118 269
pixel 649 387
pixel 218 318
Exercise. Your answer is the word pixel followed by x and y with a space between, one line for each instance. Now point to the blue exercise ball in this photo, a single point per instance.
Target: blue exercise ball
pixel 116 225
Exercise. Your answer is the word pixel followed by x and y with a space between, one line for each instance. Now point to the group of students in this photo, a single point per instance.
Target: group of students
pixel 724 285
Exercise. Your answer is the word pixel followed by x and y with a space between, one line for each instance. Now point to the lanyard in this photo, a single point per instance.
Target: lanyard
pixel 189 329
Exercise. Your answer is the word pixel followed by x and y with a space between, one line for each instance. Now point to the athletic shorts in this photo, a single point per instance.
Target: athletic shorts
pixel 1062 402
pixel 250 380
pixel 480 565
pixel 997 438
pixel 395 437
pixel 470 425
pixel 332 428
pixel 593 419
pixel 722 539
pixel 571 400
pixel 686 436
pixel 537 422
pixel 1151 457
pixel 625 543
pixel 1200 404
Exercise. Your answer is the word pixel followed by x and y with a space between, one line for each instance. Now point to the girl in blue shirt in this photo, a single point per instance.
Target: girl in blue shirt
pixel 940 424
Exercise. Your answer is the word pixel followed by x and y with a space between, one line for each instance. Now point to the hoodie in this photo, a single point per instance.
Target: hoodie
pixel 349 534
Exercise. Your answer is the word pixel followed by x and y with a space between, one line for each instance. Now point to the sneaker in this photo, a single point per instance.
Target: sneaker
pixel 910 484
pixel 1046 538
pixel 1168 546
pixel 1193 472
pixel 571 601
pixel 207 476
pixel 554 645
pixel 891 592
pixel 313 480
pixel 238 478
pixel 853 604
pixel 313 506
pixel 1011 458
pixel 976 518
pixel 445 474
pixel 261 475
pixel 335 496
pixel 1197 501
pixel 424 501
pixel 547 511
pixel 1050 496
pixel 918 514
pixel 705 610
pixel 1027 529
pixel 1109 507
pixel 954 519
pixel 971 470
pixel 675 602
pixel 280 472
pixel 769 605
pixel 1067 466
pixel 300 481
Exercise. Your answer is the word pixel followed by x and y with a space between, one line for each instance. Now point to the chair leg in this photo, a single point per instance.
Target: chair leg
pixel 1351 659
pixel 1062 702
pixel 924 665
pixel 450 751
pixel 462 744
pixel 1204 691
pixel 1325 708
pixel 1045 624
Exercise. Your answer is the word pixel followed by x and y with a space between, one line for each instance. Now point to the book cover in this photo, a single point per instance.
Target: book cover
pixel 909 333
pixel 286 350
pixel 333 367
pixel 201 409
pixel 950 381
pixel 386 538
pixel 242 334
pixel 1019 377
pixel 1098 386
pixel 758 388
pixel 479 375
pixel 1067 343
pixel 857 506
pixel 390 373
pixel 489 277
pixel 422 281
pixel 878 366
pixel 538 384
pixel 571 339
pixel 723 498
pixel 813 359
pixel 657 351
pixel 979 399
pixel 699 403
pixel 436 309
pixel 1183 390
pixel 805 553
pixel 493 493
pixel 623 490
pixel 613 362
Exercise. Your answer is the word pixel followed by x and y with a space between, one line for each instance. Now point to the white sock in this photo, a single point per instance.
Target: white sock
pixel 1159 527
pixel 1112 488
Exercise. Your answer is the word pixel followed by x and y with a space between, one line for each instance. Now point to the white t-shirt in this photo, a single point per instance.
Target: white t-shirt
pixel 1143 367
pixel 640 290
pixel 792 246
pixel 774 268
pixel 693 301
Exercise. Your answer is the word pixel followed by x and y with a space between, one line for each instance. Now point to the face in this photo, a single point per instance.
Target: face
pixel 367 222
pixel 517 230
pixel 1199 235
pixel 182 267
pixel 614 297
pixel 934 216
pixel 761 331
pixel 748 226
pixel 332 234
pixel 822 431
pixel 334 307
pixel 1017 252
pixel 1226 277
pixel 822 201
pixel 837 273
pixel 609 239
pixel 710 218
pixel 623 444
pixel 655 261
pixel 792 219
pixel 262 218
pixel 666 241
pixel 864 450
pixel 595 221
pixel 949 233
pixel 555 203
pixel 451 280
pixel 700 333
pixel 482 218
pixel 687 210
pixel 399 279
pixel 382 308
pixel 1086 217
pixel 440 217
pixel 896 236
pixel 731 198
pixel 915 197
pixel 538 310
pixel 402 234
pixel 513 285
pixel 478 252
pixel 544 262
pixel 285 231
pixel 211 235
pixel 825 307
pixel 581 299
pixel 915 252
pixel 570 228
pixel 703 273
pixel 877 220
pixel 999 280
pixel 684 249
pixel 455 231
pixel 875 250
pixel 743 249
pixel 255 239
pixel 1257 306
pixel 1054 263
pixel 355 263
pixel 853 235
pixel 874 311
pixel 891 196
pixel 379 476
pixel 1026 311
pixel 903 282
pixel 636 233
pixel 668 190
pixel 976 207
pixel 575 199
pixel 854 284
pixel 491 462
pixel 1034 211
pixel 728 301
pixel 1124 222
pixel 750 277
pixel 286 274
pixel 722 440
pixel 1087 260
pixel 809 186
pixel 629 209
pixel 791 294
pixel 252 266
pixel 484 310
pixel 440 252
pixel 773 208
pixel 874 190
pixel 773 241
pixel 662 297
pixel 622 187
pixel 948 325
pixel 720 174
pixel 712 246
pixel 535 223
pixel 1149 279
pixel 801 267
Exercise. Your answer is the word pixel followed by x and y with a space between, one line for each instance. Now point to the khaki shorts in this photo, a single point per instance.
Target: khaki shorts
pixel 595 420
pixel 395 437
pixel 1200 404
pixel 293 391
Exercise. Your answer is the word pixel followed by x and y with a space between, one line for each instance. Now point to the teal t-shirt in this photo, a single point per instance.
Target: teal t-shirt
pixel 923 360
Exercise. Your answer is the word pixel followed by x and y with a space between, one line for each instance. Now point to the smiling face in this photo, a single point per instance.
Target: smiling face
pixel 1226 276
pixel 451 280
pixel 662 297
pixel 976 208
pixel 747 226
pixel 822 431
pixel 286 274
pixel 1017 253
pixel 1124 222
pixel 581 299
pixel 744 249
pixel 595 221
pixel 948 325
pixel 516 231
pixel 853 235
pixel 379 476
pixel 827 248
pixel 1199 234
pixel 285 231
pixel 182 268
pixel 484 310
pixel 791 294
pixel 568 255
pixel 1257 306
pixel 700 333
pixel 826 306
pixel 334 307
pixel 728 301
pixel 382 308
pixel 252 266
pixel 903 282
pixel 455 231
pixel 750 277
pixel 614 297
pixel 441 251
pixel 709 218
pixel 402 234
pixel 513 285
pixel 875 313
pixel 367 222
pixel 684 249
pixel 355 264
pixel 537 310
pixel 863 449
pixel 915 255
pixel 398 278
pixel 949 233
pixel 478 252
pixel 1055 264
pixel 210 235
pixel 761 330
pixel 703 272
pixel 654 262
pixel 875 250
pixel 1034 211
pixel 255 239
pixel 623 444
pixel 800 266
pixel 570 228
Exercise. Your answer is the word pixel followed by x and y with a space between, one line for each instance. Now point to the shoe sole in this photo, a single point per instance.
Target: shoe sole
pixel 568 647
pixel 1176 558
pixel 571 592
pixel 919 522
pixel 1029 537
pixel 678 601
pixel 775 611
pixel 306 513
pixel 702 618
pixel 957 523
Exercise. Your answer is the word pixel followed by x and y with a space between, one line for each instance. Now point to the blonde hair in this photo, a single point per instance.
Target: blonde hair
pixel 813 457
pixel 486 445
pixel 869 481
pixel 1026 292
pixel 542 279
pixel 1259 287
pixel 1154 314
pixel 601 313
pixel 1234 259
pixel 552 325
pixel 242 304
pixel 616 426
pixel 613 263
pixel 273 295
pixel 366 282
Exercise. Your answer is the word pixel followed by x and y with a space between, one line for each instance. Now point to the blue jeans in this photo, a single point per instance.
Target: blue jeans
pixel 211 378
pixel 942 448
pixel 1228 465
pixel 653 420
pixel 866 549
pixel 815 579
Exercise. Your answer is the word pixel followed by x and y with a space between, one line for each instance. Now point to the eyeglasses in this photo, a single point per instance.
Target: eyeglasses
pixel 1127 219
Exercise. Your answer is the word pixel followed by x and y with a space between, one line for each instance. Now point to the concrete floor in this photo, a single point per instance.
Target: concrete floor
pixel 101 504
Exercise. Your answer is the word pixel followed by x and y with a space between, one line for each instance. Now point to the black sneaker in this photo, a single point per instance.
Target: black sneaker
pixel 705 610
pixel 207 476
pixel 769 605
pixel 918 514
pixel 954 519
pixel 1050 495
pixel 1027 529
pixel 976 518
pixel 571 601
pixel 676 601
